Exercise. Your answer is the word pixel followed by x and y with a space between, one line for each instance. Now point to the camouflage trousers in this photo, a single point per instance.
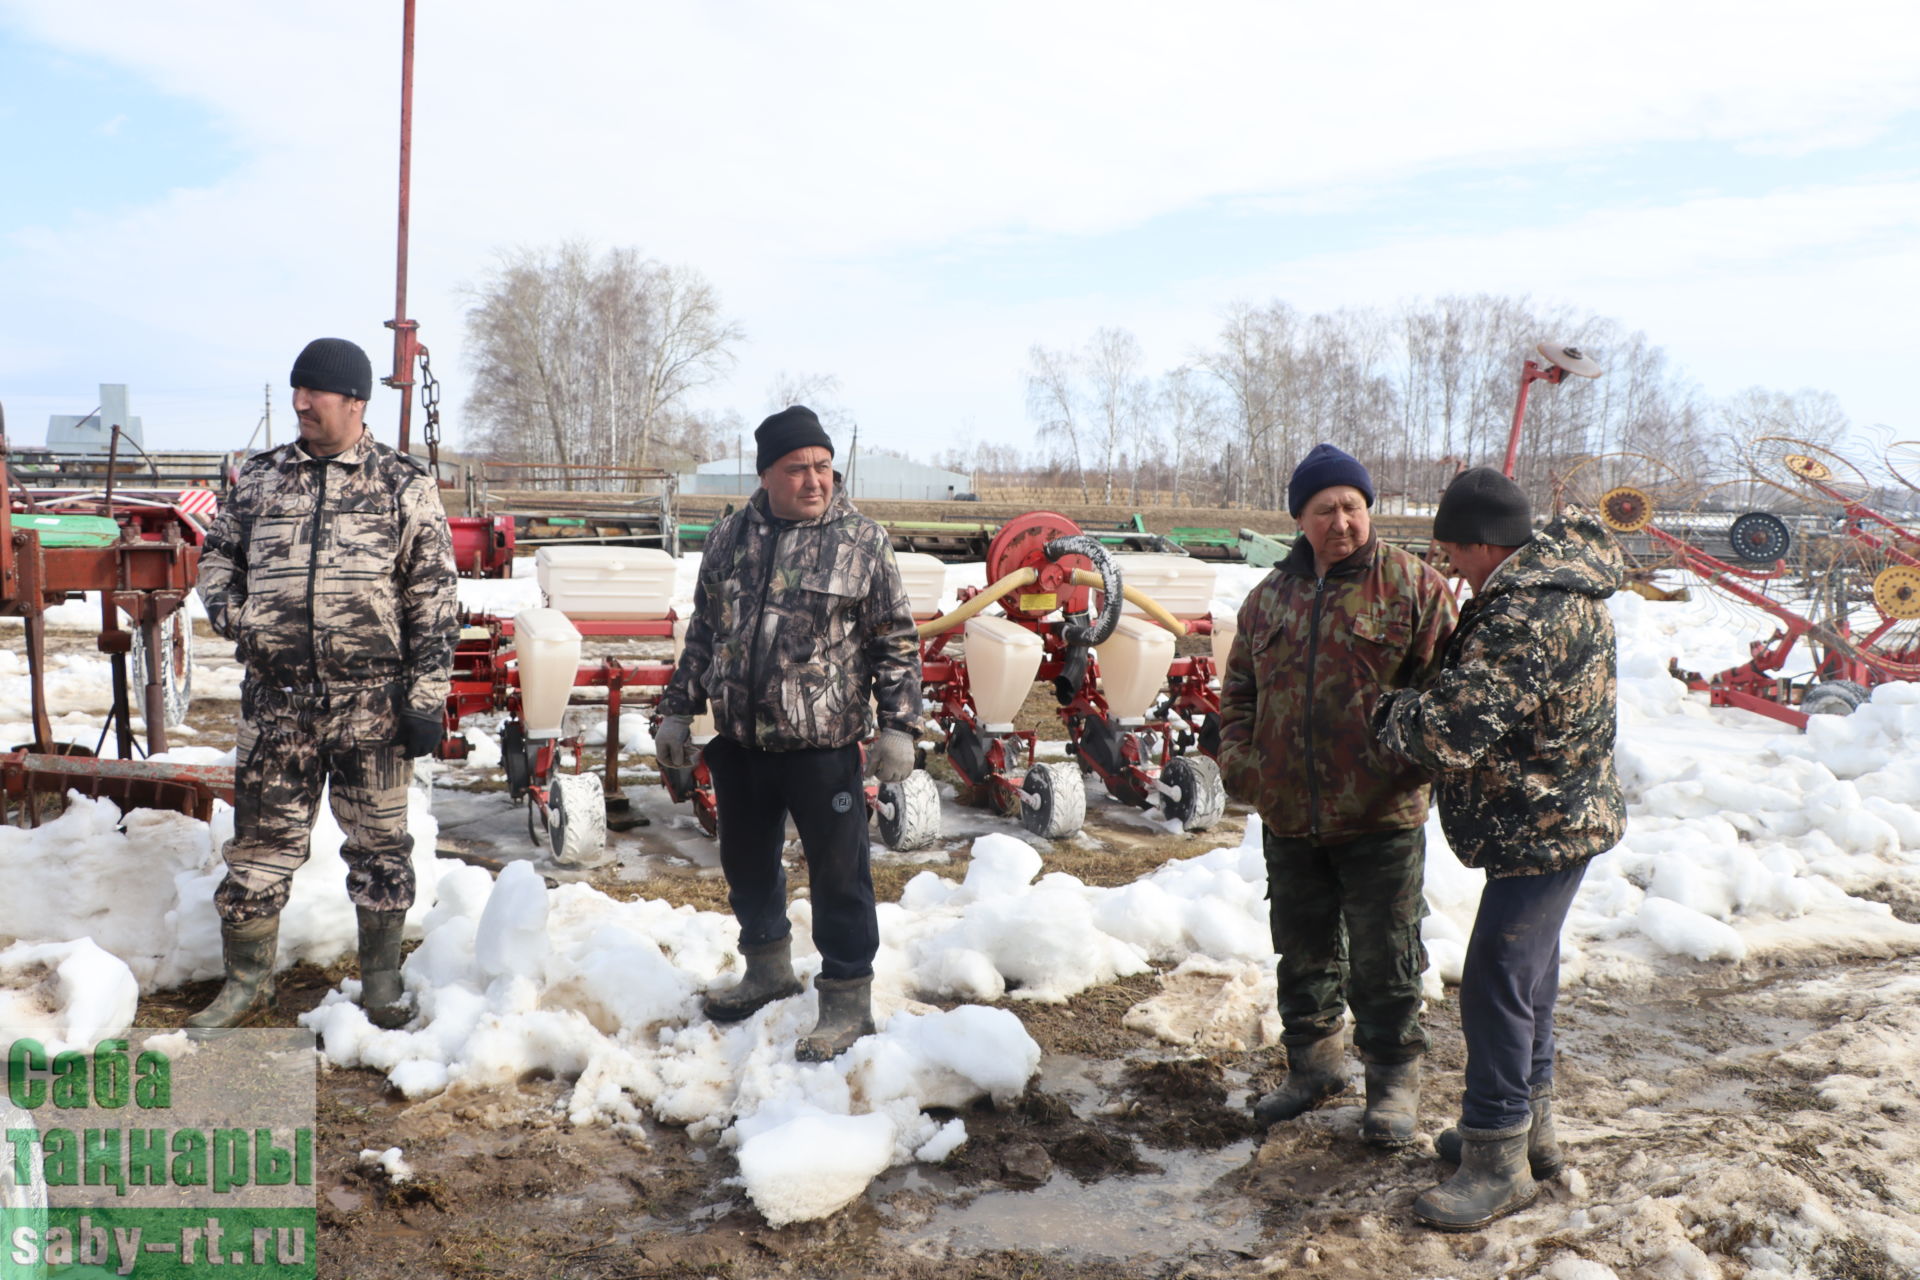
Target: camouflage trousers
pixel 291 747
pixel 1346 922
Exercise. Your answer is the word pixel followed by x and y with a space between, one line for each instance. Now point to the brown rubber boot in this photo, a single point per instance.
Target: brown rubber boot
pixel 1393 1103
pixel 382 994
pixel 1493 1181
pixel 846 1014
pixel 1315 1072
pixel 769 977
pixel 248 948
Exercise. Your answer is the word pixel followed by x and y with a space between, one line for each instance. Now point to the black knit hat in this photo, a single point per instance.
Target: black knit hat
pixel 1482 505
pixel 1323 468
pixel 794 427
pixel 334 364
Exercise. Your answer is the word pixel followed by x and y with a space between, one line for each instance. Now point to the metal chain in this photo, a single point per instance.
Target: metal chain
pixel 430 403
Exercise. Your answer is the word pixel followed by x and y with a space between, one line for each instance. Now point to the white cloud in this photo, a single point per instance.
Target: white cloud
pixel 792 151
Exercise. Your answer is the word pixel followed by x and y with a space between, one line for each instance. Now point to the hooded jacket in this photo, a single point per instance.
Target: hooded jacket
pixel 796 625
pixel 1311 659
pixel 1519 725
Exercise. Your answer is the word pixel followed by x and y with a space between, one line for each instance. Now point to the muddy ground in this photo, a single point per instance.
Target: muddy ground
pixel 1128 1156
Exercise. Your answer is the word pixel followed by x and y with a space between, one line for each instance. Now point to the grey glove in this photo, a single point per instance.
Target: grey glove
pixel 673 743
pixel 891 756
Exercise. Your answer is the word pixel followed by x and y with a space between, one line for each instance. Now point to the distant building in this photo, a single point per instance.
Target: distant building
pixel 874 476
pixel 70 433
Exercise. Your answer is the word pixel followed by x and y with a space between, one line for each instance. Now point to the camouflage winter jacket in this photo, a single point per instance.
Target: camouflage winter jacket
pixel 795 625
pixel 1519 726
pixel 336 572
pixel 1309 662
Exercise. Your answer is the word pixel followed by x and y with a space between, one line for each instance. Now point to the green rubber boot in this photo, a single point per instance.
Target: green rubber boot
pixel 846 1014
pixel 382 994
pixel 248 948
pixel 1393 1103
pixel 769 977
pixel 1315 1072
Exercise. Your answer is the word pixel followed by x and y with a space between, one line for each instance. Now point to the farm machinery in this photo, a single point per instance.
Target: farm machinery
pixel 141 555
pixel 1140 718
pixel 1132 710
pixel 1849 585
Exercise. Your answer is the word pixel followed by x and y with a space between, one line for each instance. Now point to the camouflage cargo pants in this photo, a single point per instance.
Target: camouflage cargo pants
pixel 291 746
pixel 1346 922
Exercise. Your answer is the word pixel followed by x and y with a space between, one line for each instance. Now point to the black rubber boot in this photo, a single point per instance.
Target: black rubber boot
pixel 1393 1103
pixel 248 948
pixel 382 995
pixel 846 1014
pixel 1493 1181
pixel 769 977
pixel 1544 1156
pixel 1315 1072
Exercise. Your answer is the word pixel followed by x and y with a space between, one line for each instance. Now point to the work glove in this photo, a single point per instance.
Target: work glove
pixel 673 742
pixel 420 732
pixel 891 757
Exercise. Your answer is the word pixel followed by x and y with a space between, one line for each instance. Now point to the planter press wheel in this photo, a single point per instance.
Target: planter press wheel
pixel 909 812
pixel 1203 795
pixel 579 825
pixel 1759 537
pixel 1053 800
pixel 176 669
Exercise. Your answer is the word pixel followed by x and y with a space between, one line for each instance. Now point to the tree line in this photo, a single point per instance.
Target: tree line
pixel 586 357
pixel 1414 393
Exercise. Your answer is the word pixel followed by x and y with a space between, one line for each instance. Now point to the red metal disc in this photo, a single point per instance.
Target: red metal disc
pixel 1022 543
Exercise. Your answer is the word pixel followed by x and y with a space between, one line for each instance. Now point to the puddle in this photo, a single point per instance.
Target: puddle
pixel 1167 1214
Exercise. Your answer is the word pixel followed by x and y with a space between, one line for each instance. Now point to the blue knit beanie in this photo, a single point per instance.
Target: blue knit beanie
pixel 1325 467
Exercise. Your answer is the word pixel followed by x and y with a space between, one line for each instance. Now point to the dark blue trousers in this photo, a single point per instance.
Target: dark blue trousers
pixel 754 791
pixel 1508 986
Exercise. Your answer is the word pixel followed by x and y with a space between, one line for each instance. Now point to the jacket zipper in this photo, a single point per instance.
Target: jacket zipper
pixel 313 575
pixel 1313 656
pixel 753 640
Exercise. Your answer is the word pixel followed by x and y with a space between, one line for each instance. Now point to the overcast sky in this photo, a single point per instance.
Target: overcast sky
pixel 908 196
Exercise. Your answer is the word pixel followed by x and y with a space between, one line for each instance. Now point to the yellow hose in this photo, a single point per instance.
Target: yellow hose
pixel 1148 605
pixel 948 621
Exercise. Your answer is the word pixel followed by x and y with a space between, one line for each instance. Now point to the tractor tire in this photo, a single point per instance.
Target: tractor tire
pixel 579 824
pixel 1054 800
pixel 176 670
pixel 1203 795
pixel 1834 698
pixel 915 808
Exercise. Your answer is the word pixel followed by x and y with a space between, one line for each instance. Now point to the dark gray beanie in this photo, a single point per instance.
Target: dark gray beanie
pixel 794 427
pixel 334 364
pixel 1482 505
pixel 1322 468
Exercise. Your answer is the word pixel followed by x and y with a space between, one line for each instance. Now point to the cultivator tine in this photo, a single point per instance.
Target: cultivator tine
pixel 132 784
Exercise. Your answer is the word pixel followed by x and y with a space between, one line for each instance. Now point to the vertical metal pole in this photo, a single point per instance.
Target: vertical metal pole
pixel 1528 373
pixel 404 340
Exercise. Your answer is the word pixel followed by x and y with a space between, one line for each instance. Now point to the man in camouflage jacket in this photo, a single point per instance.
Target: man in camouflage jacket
pixel 330 567
pixel 801 623
pixel 1519 729
pixel 1342 620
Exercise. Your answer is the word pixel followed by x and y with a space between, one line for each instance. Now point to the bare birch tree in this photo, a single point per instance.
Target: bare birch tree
pixel 584 358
